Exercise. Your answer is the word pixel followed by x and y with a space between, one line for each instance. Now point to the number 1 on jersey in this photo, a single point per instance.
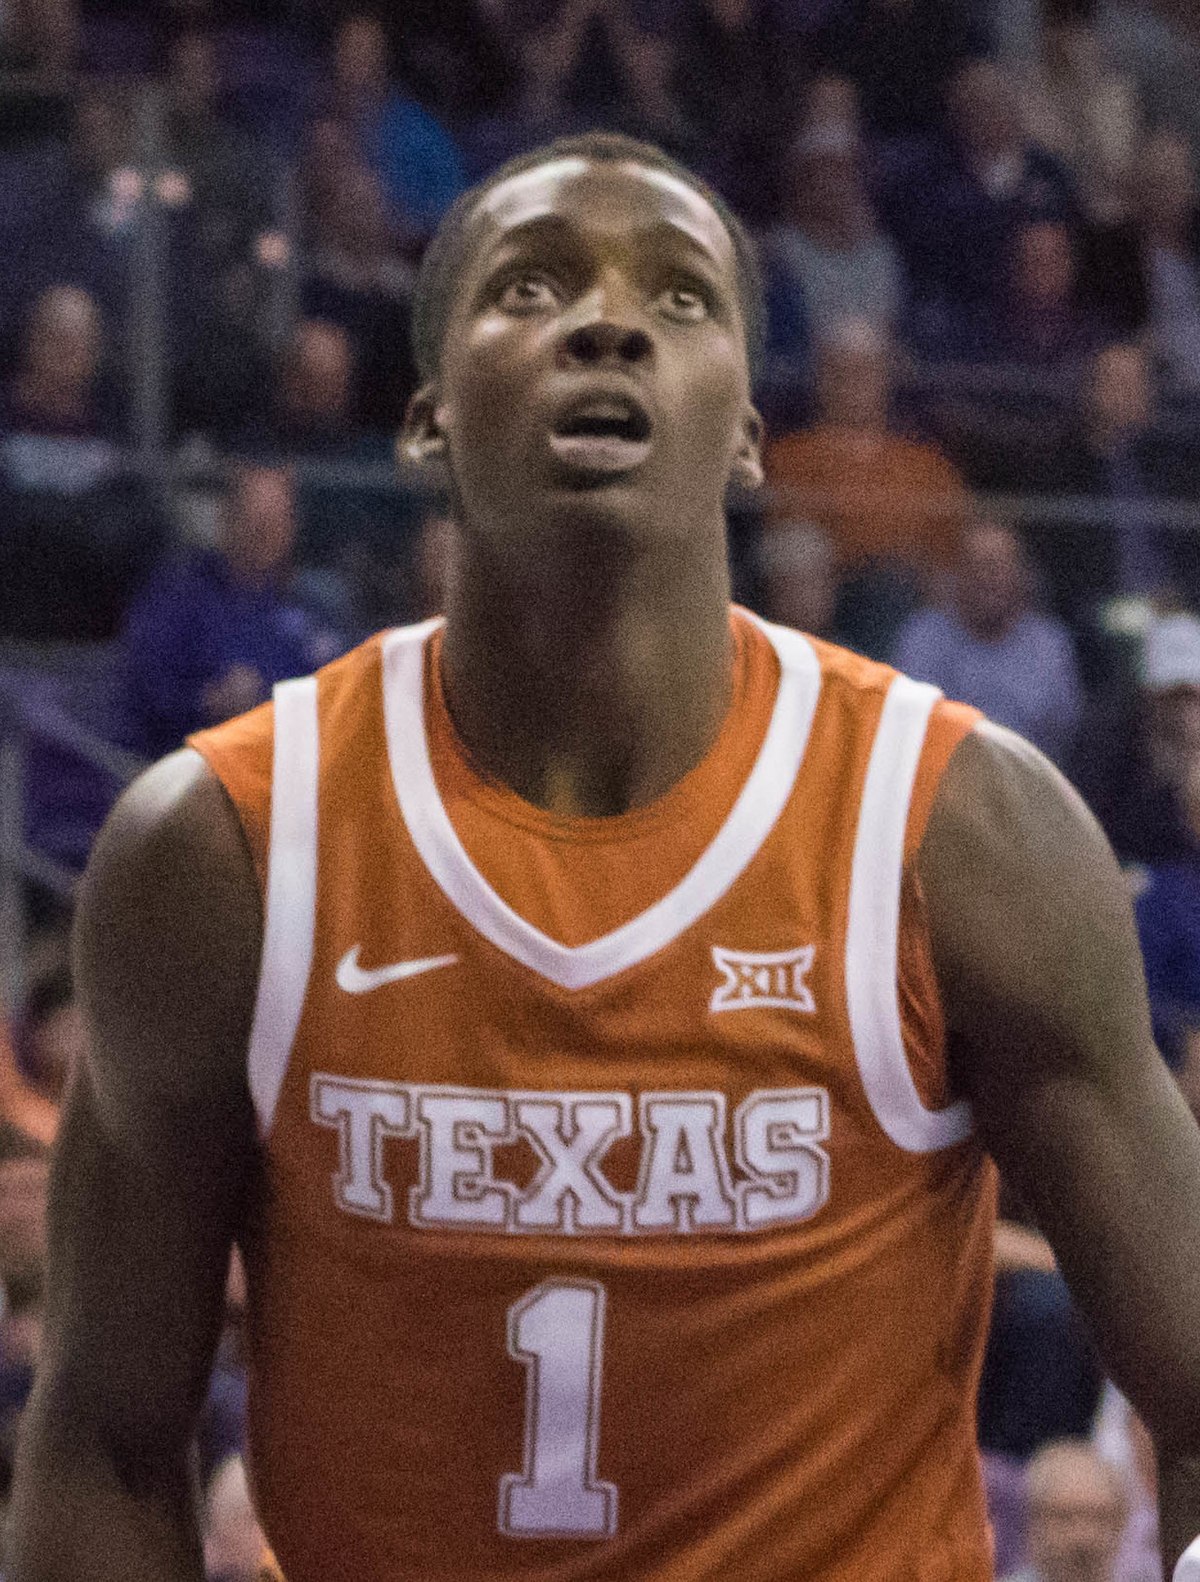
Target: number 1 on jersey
pixel 557 1332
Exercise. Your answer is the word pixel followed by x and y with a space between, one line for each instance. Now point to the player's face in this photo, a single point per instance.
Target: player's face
pixel 594 364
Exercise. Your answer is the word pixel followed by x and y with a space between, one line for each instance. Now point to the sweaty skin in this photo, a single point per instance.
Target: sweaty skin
pixel 587 664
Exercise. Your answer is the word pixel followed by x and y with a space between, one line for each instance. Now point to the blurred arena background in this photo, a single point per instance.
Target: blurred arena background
pixel 979 224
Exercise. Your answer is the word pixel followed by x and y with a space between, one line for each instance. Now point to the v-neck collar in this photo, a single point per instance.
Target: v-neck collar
pixel 749 822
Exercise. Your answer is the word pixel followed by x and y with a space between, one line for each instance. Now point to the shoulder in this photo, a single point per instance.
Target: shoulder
pixel 925 626
pixel 1000 789
pixel 1025 897
pixel 181 577
pixel 1052 636
pixel 344 696
pixel 923 458
pixel 168 938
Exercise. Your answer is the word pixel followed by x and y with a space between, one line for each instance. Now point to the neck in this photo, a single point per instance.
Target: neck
pixel 589 692
pixel 44 394
pixel 990 628
pixel 246 573
pixel 840 233
pixel 1108 439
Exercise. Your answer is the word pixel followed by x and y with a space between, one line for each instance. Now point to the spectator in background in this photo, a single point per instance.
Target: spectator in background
pixel 218 179
pixel 894 507
pixel 595 58
pixel 797 576
pixel 68 209
pixel 419 168
pixel 1169 213
pixel 991 648
pixel 23 1109
pixel 234 1543
pixel 1168 917
pixel 24 1189
pixel 1038 322
pixel 213 630
pixel 1134 759
pixel 954 202
pixel 356 532
pixel 1080 106
pixel 352 243
pixel 40 36
pixel 312 407
pixel 457 54
pixel 1140 1559
pixel 353 276
pixel 900 54
pixel 1078 1507
pixel 76 535
pixel 827 260
pixel 1042 323
pixel 217 190
pixel 735 74
pixel 57 389
pixel 1113 453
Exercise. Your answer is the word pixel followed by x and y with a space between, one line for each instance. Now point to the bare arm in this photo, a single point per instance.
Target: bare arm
pixel 1040 970
pixel 151 1180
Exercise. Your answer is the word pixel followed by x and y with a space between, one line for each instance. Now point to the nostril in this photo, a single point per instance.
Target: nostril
pixel 585 344
pixel 589 343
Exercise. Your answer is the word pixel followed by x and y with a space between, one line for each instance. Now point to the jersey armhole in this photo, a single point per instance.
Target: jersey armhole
pixel 922 1017
pixel 949 724
pixel 239 753
pixel 268 762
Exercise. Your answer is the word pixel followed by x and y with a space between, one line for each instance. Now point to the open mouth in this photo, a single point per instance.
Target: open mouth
pixel 602 435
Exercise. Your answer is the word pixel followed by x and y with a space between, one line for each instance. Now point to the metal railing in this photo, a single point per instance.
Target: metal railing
pixel 27 721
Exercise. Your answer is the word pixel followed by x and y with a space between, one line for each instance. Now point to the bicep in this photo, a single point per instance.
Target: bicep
pixel 1050 1032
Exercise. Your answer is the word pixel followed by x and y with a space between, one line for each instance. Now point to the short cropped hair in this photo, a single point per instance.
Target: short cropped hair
pixel 447 253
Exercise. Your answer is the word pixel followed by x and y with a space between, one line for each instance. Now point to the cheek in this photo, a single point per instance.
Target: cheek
pixel 712 396
pixel 485 385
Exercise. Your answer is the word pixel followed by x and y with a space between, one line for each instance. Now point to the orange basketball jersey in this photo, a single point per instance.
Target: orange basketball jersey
pixel 617 1221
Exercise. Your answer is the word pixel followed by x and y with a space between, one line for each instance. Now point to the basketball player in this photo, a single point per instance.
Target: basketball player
pixel 594 1016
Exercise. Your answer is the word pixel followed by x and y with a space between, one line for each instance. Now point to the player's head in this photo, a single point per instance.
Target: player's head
pixel 585 324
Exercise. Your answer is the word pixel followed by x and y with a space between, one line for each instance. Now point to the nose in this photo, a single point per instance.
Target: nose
pixel 606 339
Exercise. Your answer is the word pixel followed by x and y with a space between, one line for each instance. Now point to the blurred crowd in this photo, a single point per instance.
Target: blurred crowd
pixel 979 226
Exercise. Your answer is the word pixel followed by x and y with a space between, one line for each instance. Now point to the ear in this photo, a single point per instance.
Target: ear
pixel 422 439
pixel 747 462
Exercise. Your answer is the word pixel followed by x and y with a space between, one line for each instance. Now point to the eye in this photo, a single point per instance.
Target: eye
pixel 686 301
pixel 527 292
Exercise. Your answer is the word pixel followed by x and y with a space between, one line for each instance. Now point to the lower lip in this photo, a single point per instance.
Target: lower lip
pixel 599 456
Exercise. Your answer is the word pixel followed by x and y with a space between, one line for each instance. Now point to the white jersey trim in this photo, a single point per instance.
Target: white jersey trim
pixel 873 932
pixel 291 899
pixel 751 819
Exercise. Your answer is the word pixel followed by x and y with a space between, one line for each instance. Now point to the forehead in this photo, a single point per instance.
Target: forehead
pixel 601 198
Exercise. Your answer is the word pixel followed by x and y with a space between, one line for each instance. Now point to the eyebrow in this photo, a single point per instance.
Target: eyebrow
pixel 556 227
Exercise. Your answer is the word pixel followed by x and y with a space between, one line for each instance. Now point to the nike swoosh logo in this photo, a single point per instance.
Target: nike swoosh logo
pixel 361 980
